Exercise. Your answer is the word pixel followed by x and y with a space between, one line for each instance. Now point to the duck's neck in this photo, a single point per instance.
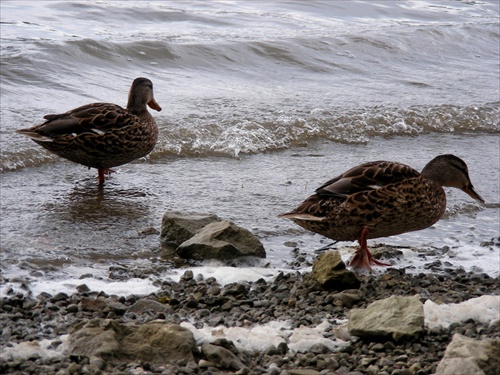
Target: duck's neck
pixel 436 172
pixel 430 174
pixel 135 106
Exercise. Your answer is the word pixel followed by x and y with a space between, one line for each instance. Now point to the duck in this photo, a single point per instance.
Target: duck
pixel 102 135
pixel 381 199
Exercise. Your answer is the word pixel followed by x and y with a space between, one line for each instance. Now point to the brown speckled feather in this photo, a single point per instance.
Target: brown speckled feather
pixel 367 176
pixel 380 199
pixel 102 135
pixel 98 135
pixel 387 198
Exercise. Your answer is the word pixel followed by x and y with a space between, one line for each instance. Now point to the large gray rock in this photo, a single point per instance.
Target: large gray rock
pixel 467 356
pixel 396 317
pixel 330 272
pixel 177 227
pixel 155 342
pixel 221 240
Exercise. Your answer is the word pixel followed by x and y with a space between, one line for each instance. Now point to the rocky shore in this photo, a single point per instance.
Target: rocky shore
pixel 324 322
pixel 48 332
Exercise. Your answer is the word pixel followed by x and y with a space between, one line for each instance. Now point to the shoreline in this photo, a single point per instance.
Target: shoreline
pixel 204 304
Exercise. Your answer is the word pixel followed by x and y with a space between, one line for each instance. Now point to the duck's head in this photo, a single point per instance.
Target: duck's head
pixel 450 170
pixel 140 95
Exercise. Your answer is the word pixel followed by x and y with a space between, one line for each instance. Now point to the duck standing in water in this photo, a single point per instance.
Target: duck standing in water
pixel 381 199
pixel 102 135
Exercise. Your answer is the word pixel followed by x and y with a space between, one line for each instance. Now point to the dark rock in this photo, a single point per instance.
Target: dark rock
pixel 149 231
pixel 116 307
pixel 73 308
pixel 187 276
pixel 92 304
pixel 144 305
pixel 221 357
pixel 59 297
pixel 83 288
pixel 347 298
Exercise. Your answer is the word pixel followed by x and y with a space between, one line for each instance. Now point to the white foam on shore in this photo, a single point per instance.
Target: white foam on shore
pixel 304 338
pixel 30 349
pixel 68 286
pixel 99 282
pixel 69 279
pixel 120 288
pixel 227 275
pixel 258 338
pixel 474 258
pixel 484 309
pixel 255 337
pixel 471 258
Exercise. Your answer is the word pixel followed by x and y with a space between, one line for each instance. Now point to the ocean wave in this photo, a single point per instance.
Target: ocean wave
pixel 358 52
pixel 243 77
pixel 231 136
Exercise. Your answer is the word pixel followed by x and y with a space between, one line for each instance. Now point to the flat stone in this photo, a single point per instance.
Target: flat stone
pixel 155 342
pixel 178 227
pixel 396 317
pixel 221 240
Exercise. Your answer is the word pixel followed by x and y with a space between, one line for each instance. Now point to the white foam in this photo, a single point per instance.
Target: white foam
pixel 69 279
pixel 30 349
pixel 262 337
pixel 303 338
pixel 226 275
pixel 121 288
pixel 258 338
pixel 484 309
pixel 474 258
pixel 255 338
pixel 471 258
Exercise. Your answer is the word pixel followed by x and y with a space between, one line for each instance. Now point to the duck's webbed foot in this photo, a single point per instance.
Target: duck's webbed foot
pixel 362 257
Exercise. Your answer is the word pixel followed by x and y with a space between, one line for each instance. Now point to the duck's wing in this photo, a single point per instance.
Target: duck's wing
pixel 97 118
pixel 365 177
pixel 372 178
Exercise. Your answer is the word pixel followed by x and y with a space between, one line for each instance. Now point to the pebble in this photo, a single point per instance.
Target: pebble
pixel 291 296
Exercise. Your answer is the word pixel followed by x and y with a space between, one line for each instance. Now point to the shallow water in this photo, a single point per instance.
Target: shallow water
pixel 69 221
pixel 263 102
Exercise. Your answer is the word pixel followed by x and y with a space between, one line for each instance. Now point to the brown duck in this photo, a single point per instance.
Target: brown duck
pixel 381 199
pixel 102 135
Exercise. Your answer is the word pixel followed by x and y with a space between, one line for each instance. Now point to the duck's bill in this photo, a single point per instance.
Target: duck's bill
pixel 152 104
pixel 472 193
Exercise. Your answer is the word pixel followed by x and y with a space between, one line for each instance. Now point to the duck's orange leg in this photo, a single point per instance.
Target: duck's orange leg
pixel 362 257
pixel 102 173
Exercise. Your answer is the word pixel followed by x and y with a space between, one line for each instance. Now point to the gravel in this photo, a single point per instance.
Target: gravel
pixel 293 297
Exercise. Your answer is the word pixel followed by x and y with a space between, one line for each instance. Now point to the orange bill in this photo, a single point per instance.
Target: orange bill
pixel 152 104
